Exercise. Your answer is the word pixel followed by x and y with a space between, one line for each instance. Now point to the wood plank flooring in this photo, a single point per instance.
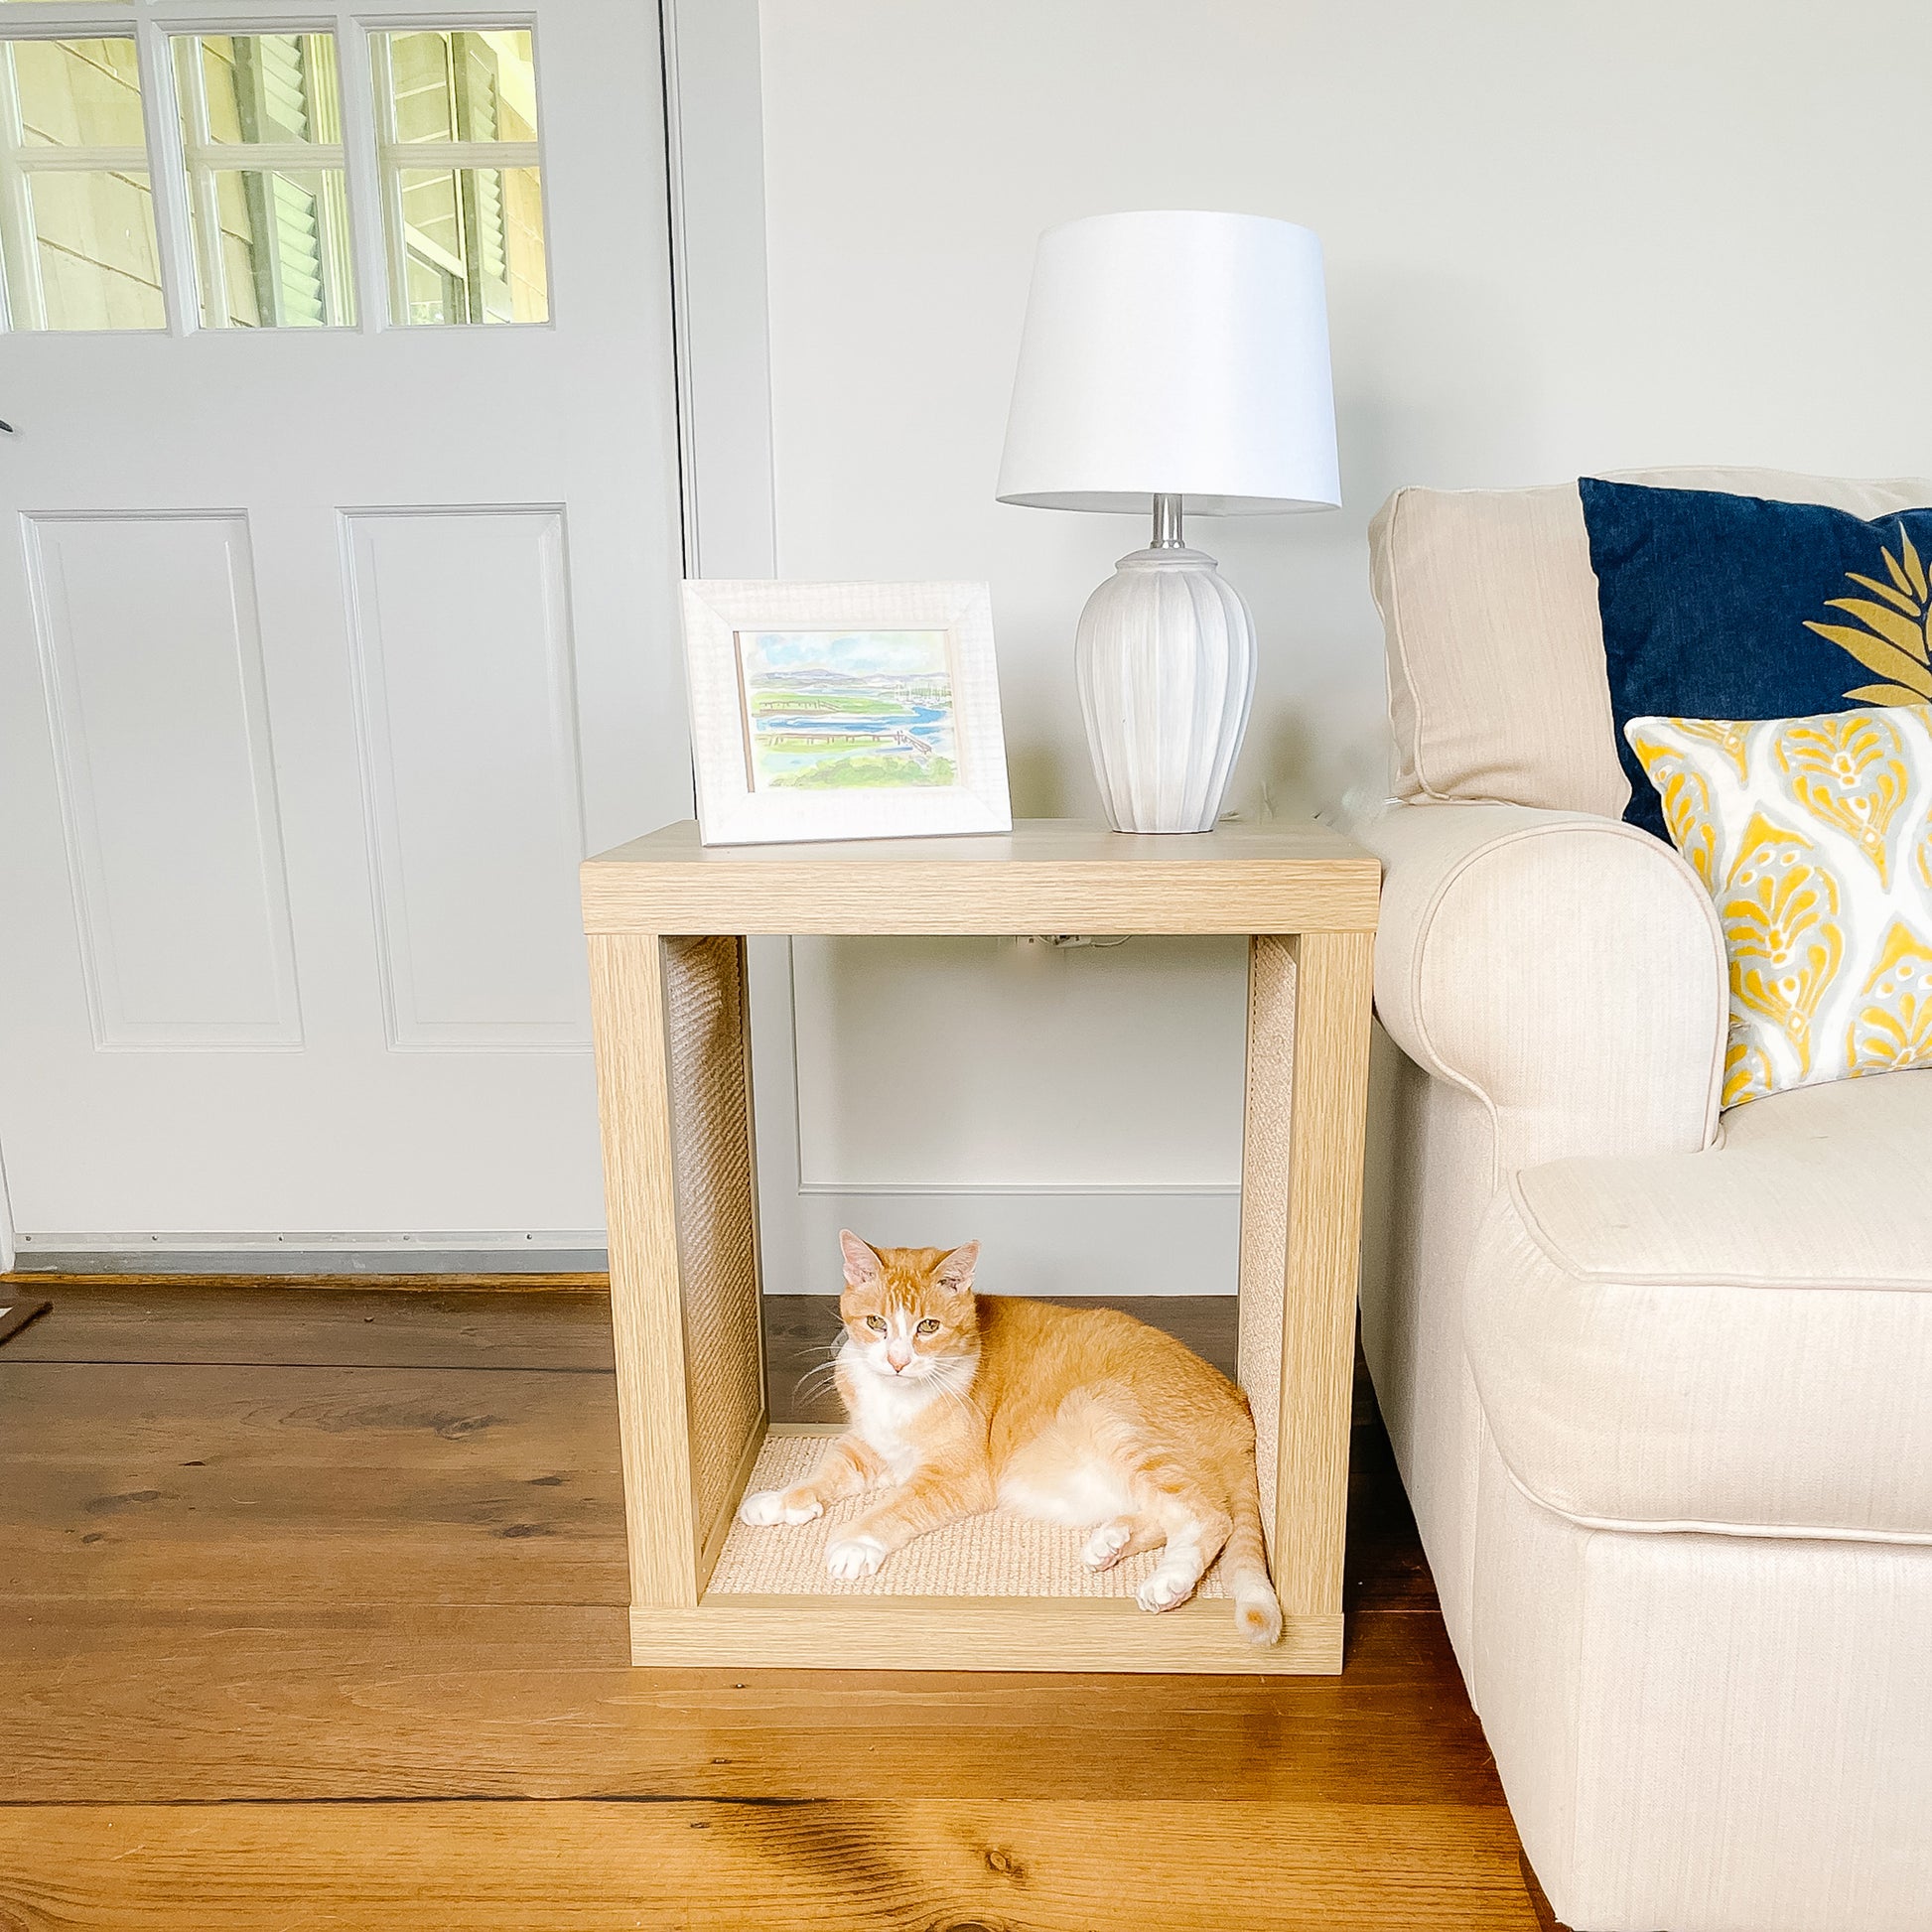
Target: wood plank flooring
pixel 311 1617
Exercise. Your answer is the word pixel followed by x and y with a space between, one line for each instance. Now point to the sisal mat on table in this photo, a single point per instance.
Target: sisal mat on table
pixel 985 1556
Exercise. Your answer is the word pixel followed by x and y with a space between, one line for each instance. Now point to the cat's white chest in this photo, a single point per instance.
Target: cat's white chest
pixel 883 1412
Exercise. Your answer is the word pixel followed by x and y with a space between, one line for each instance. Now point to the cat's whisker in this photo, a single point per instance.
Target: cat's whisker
pixel 820 1375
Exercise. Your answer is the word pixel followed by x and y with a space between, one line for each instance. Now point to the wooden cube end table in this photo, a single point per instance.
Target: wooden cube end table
pixel 667 918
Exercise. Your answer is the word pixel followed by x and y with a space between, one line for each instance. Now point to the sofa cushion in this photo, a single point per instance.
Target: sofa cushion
pixel 1737 1341
pixel 1498 685
pixel 1814 838
pixel 1717 605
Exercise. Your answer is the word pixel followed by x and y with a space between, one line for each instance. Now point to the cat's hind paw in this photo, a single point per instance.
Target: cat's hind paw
pixel 763 1506
pixel 852 1557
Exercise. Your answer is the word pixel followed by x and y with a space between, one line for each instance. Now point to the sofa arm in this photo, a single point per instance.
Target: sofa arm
pixel 1566 969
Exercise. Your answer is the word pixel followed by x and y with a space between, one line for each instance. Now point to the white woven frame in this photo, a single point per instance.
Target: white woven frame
pixel 729 812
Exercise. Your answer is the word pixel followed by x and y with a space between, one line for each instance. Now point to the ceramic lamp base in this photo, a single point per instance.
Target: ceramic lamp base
pixel 1166 661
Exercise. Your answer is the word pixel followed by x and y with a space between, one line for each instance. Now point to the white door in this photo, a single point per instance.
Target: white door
pixel 336 608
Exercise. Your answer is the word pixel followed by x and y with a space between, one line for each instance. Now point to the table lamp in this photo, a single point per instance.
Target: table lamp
pixel 1170 360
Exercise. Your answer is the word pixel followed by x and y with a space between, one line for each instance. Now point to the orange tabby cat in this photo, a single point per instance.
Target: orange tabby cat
pixel 1079 1416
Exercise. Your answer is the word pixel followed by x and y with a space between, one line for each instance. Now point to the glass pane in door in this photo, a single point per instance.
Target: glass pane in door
pixel 457 125
pixel 271 240
pixel 77 231
pixel 79 93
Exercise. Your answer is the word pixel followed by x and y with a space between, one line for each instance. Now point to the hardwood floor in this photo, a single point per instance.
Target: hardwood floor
pixel 311 1616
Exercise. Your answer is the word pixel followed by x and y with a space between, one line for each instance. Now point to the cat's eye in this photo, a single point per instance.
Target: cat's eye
pixel 876 1325
pixel 928 1327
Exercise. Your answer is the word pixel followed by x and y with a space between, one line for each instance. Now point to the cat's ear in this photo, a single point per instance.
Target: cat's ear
pixel 860 1260
pixel 955 1273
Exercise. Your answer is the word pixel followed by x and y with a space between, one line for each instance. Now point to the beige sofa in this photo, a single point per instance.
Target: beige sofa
pixel 1659 1379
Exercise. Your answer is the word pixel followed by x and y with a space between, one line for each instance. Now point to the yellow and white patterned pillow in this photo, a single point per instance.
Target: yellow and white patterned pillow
pixel 1814 835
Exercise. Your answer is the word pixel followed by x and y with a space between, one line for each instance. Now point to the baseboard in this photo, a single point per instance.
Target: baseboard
pixel 306 1256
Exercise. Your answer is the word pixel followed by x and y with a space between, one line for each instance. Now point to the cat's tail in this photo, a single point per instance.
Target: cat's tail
pixel 1257 1610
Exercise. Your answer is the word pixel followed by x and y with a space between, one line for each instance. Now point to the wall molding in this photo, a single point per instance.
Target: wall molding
pixel 1041 1242
pixel 1047 1238
pixel 1044 1238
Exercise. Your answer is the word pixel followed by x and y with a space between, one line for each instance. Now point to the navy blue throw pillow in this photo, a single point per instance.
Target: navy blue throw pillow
pixel 1734 607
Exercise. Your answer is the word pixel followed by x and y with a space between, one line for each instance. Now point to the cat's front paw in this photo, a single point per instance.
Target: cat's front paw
pixel 1164 1589
pixel 852 1557
pixel 768 1506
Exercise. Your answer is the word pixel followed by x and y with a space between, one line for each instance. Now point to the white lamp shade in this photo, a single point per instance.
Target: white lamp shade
pixel 1174 353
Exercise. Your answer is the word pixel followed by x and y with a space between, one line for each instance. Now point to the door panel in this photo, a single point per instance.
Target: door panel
pixel 363 636
pixel 152 662
pixel 462 654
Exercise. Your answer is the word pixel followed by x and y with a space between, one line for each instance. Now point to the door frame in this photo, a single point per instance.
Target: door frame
pixel 7 1252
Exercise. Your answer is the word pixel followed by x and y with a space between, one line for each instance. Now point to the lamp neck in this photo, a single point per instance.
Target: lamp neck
pixel 1167 524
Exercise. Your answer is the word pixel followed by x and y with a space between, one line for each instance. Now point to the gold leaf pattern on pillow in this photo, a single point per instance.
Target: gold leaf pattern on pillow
pixel 1747 1071
pixel 1780 918
pixel 1731 738
pixel 1893 1026
pixel 1686 806
pixel 1817 849
pixel 1847 770
pixel 1896 640
pixel 1883 694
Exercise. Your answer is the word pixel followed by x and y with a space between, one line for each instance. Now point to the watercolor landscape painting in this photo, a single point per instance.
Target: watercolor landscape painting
pixel 847 708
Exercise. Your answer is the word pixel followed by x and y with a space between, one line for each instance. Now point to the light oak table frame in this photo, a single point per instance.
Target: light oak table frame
pixel 667 918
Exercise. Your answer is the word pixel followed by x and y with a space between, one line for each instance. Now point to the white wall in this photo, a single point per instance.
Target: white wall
pixel 1559 237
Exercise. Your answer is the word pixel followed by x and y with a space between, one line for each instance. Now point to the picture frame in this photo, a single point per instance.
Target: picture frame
pixel 843 711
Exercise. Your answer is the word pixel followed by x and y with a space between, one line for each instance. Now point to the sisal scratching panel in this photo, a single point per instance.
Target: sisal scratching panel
pixel 985 1556
pixel 717 1214
pixel 1264 1202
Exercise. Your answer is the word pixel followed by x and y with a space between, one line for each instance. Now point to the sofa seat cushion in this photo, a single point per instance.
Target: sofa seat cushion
pixel 1737 1341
